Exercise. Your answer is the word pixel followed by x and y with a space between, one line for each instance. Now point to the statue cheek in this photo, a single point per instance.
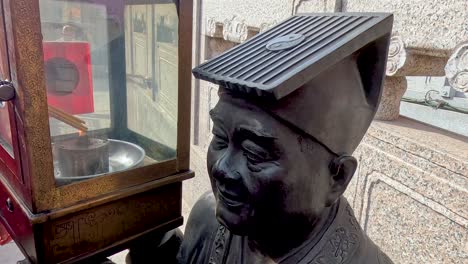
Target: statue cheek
pixel 274 172
pixel 270 177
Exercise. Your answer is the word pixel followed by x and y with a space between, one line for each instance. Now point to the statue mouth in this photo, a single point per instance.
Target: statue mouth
pixel 229 199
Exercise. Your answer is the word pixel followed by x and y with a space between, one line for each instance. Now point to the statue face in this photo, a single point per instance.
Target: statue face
pixel 264 174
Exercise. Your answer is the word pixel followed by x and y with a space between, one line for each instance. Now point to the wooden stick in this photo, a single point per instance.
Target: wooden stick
pixel 69 122
pixel 63 113
pixel 67 119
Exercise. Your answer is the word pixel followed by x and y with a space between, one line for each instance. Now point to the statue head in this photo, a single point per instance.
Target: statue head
pixel 288 120
pixel 265 172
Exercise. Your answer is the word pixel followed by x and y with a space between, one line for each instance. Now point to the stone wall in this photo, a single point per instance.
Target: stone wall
pixel 431 27
pixel 411 188
pixel 410 192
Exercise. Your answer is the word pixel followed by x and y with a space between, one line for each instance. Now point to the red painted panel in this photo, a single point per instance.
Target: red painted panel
pixel 69 76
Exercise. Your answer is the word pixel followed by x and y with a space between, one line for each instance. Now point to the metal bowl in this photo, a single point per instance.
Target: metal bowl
pixel 122 156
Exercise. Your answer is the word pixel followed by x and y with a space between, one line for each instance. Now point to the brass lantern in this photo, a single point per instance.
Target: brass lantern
pixel 94 123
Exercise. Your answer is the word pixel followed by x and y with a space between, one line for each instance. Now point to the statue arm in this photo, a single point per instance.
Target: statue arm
pixel 161 248
pixel 200 231
pixel 174 247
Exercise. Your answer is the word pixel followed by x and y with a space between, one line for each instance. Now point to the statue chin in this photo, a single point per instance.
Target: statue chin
pixel 236 222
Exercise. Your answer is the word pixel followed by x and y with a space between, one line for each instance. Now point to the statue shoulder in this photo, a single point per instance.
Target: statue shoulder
pixel 370 253
pixel 200 231
pixel 203 213
pixel 384 259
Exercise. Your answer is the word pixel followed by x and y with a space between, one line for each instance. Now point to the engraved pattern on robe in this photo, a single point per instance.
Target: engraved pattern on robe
pixel 208 242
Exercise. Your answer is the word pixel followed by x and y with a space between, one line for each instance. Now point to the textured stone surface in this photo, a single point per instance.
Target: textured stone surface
pixel 257 12
pixel 431 26
pixel 457 68
pixel 422 65
pixel 410 192
pixel 389 108
pixel 396 55
pixel 260 14
pixel 404 62
pixel 253 13
pixel 213 28
pixel 389 223
pixel 310 6
pixel 235 30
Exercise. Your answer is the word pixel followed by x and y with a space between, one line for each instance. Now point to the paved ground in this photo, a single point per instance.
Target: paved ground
pixel 10 254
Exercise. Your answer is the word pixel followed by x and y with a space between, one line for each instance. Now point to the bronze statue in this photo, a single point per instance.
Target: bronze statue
pixel 294 104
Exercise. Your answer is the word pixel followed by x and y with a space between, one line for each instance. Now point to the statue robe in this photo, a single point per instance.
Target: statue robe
pixel 206 241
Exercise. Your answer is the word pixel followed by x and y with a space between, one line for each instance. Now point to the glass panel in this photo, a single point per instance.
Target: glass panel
pixel 111 74
pixel 5 129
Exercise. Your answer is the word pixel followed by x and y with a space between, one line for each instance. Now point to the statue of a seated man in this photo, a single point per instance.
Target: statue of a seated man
pixel 294 104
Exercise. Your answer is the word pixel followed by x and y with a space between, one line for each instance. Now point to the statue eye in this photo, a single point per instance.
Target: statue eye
pixel 220 139
pixel 254 153
pixel 218 143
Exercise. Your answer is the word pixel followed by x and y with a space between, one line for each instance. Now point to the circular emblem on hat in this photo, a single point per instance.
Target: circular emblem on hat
pixel 285 42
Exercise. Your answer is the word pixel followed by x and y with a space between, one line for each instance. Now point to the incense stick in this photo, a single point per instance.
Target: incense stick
pixel 67 118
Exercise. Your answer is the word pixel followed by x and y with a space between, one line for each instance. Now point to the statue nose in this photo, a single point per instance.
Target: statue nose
pixel 225 169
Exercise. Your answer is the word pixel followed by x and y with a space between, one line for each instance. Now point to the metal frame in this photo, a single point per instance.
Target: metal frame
pixel 39 192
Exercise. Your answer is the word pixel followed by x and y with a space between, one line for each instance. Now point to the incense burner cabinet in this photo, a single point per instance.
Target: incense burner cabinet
pixel 94 123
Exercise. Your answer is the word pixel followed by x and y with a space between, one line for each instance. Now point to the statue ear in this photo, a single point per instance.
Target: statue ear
pixel 342 170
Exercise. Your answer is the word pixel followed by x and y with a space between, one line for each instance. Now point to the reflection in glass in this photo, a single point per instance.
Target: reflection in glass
pixel 112 84
pixel 5 129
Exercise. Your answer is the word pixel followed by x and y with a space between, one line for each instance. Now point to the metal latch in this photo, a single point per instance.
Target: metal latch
pixel 7 91
pixel 447 91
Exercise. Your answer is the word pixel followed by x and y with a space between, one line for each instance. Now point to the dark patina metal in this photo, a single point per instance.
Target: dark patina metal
pixel 289 117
